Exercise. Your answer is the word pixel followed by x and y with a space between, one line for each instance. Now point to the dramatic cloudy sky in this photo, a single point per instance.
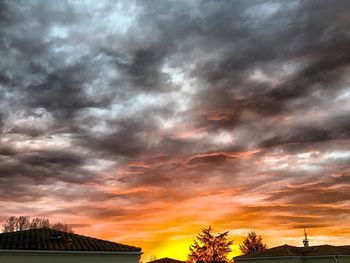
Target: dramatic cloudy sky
pixel 143 121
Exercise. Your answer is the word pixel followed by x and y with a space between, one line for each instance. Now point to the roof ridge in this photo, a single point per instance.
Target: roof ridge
pixel 99 239
pixel 288 250
pixel 55 230
pixel 331 248
pixel 31 229
pixel 293 251
pixel 166 260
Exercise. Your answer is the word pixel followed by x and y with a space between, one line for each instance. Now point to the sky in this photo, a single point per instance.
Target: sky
pixel 142 122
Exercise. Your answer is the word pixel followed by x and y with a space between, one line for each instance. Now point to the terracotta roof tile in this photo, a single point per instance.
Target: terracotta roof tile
pixel 50 239
pixel 291 251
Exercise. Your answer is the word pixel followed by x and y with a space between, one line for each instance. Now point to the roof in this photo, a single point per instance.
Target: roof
pixel 291 251
pixel 46 239
pixel 166 260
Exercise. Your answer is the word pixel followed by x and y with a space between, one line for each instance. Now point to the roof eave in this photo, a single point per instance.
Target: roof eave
pixel 9 251
pixel 320 256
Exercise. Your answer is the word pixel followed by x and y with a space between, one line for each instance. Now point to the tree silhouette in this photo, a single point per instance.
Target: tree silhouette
pixel 209 247
pixel 14 223
pixel 252 244
pixel 18 223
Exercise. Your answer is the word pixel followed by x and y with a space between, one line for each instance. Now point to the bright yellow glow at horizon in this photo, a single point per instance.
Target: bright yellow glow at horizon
pixel 177 250
pixel 180 250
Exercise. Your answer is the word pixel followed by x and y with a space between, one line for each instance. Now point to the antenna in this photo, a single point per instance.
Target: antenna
pixel 305 241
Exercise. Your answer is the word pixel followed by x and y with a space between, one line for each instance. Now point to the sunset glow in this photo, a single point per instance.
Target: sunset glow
pixel 142 122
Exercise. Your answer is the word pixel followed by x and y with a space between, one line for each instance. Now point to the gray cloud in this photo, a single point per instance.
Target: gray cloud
pixel 43 166
pixel 162 94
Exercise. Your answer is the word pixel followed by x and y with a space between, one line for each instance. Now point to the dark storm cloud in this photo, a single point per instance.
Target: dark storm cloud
pixel 43 166
pixel 211 159
pixel 314 195
pixel 291 216
pixel 324 47
pixel 217 158
pixel 313 202
pixel 7 151
pixel 62 91
pixel 63 159
pixel 232 29
pixel 129 139
pixel 142 69
pixel 18 191
pixel 1 123
pixel 335 128
pixel 100 213
pixel 28 57
pixel 148 178
pixel 29 131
